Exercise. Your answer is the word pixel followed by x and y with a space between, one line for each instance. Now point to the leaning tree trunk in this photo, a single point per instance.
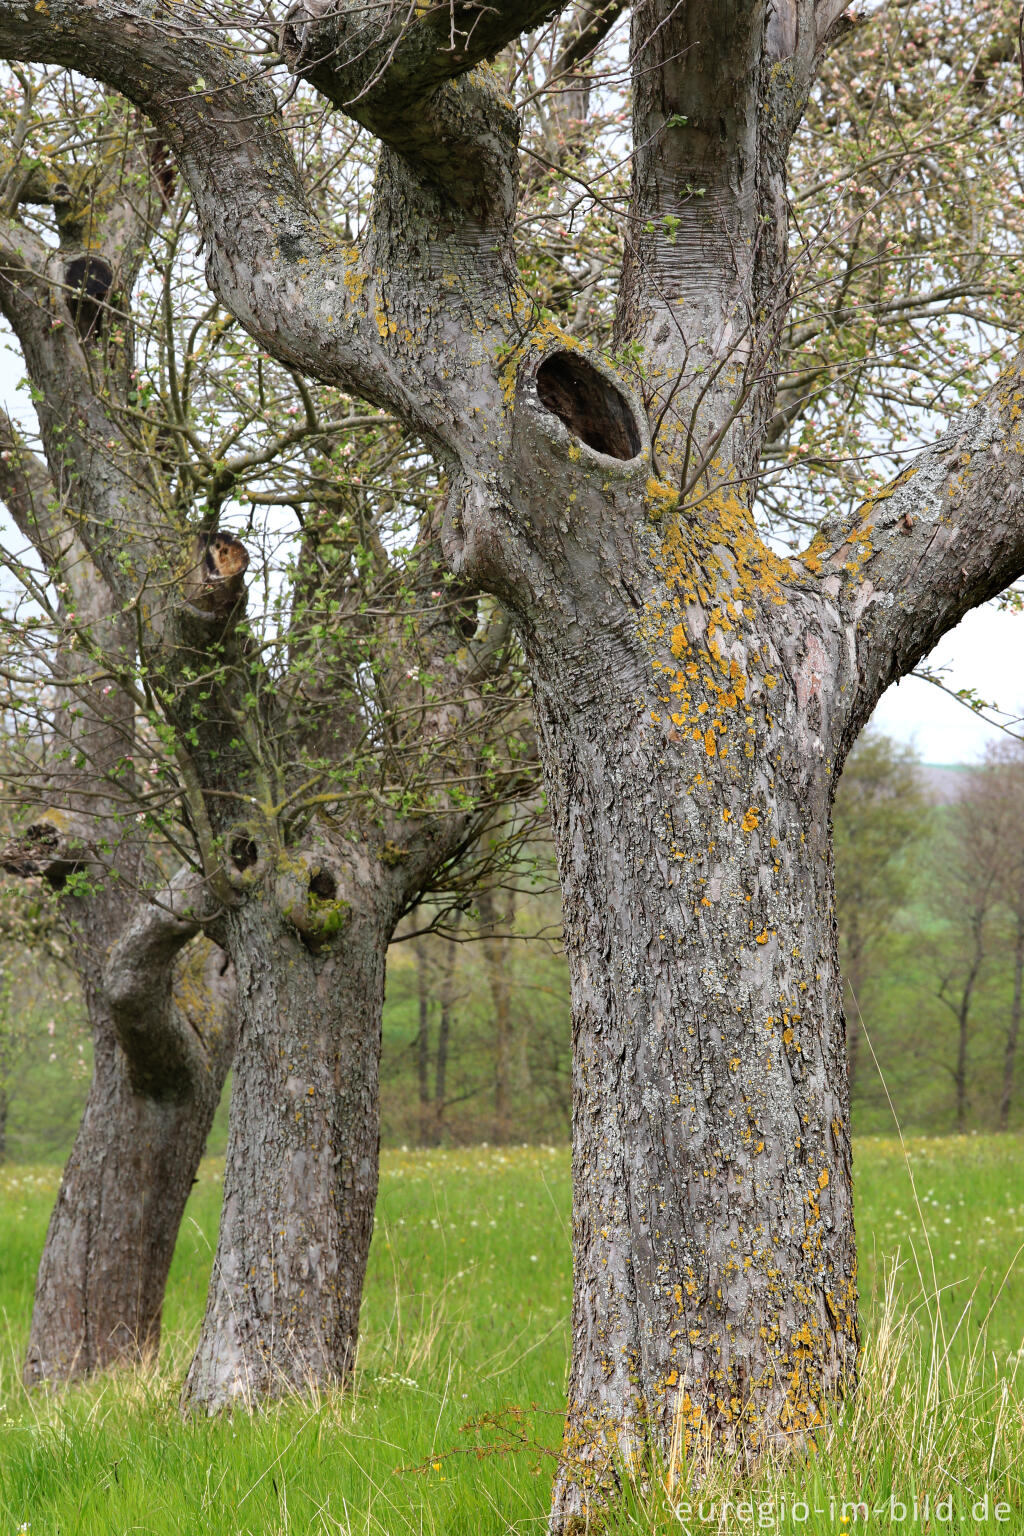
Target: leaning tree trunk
pixel 101 1282
pixel 714 1260
pixel 301 1177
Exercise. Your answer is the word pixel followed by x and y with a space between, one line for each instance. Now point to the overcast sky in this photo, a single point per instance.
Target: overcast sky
pixel 983 653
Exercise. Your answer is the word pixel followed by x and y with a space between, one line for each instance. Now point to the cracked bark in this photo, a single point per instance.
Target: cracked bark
pixel 100 1287
pixel 161 1019
pixel 306 919
pixel 696 694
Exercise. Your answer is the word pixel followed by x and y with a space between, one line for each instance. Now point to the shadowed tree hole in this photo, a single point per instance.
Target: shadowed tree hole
pixel 89 280
pixel 244 853
pixel 324 885
pixel 591 407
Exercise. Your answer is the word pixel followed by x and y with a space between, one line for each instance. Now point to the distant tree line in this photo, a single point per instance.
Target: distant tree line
pixel 930 912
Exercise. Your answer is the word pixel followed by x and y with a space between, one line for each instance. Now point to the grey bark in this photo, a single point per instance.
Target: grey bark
pixel 306 920
pixel 301 1175
pixel 161 1021
pixel 100 1288
pixel 696 694
pixel 162 1028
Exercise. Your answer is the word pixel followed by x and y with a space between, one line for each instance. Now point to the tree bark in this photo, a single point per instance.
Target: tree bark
pixel 301 1176
pixel 100 1288
pixel 714 1262
pixel 696 694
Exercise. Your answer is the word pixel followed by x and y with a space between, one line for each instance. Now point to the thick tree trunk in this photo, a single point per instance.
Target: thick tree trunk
pixel 714 1262
pixel 100 1288
pixel 1013 1032
pixel 301 1175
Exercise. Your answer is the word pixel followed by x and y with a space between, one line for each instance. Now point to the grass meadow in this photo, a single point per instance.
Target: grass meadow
pixel 455 1415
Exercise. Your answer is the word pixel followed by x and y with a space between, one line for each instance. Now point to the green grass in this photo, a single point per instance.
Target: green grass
pixel 457 1407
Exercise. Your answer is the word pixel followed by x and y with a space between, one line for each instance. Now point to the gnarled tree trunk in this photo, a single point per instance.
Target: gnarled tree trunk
pixel 714 1260
pixel 301 1176
pixel 100 1288
pixel 697 695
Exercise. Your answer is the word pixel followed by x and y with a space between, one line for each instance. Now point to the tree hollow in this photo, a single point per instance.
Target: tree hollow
pixel 589 405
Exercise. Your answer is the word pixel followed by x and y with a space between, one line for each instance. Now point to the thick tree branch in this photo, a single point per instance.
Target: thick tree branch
pixel 84 442
pixel 394 70
pixel 294 286
pixel 717 94
pixel 944 536
pixel 174 1022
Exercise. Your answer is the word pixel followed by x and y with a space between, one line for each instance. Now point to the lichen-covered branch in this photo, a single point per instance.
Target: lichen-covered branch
pixel 944 536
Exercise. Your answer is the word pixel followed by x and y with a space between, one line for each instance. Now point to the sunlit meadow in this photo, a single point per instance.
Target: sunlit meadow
pixel 455 1415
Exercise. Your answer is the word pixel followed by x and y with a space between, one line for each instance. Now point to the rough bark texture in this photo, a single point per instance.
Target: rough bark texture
pixel 100 1288
pixel 696 694
pixel 305 906
pixel 162 1021
pixel 301 1176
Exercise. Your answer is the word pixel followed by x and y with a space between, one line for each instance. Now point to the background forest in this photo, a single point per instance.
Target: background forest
pixel 930 897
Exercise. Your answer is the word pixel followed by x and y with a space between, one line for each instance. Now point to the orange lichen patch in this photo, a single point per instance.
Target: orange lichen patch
pixel 540 339
pixel 662 498
pixel 710 565
pixel 751 819
pixel 710 746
